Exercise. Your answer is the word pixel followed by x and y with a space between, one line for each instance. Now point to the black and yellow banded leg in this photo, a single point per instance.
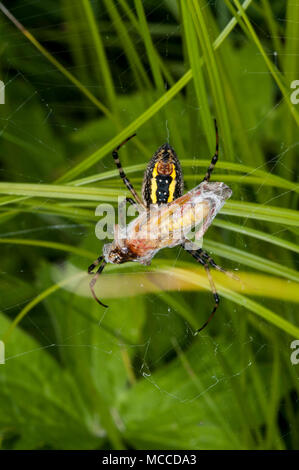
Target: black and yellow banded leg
pixel 207 258
pixel 94 264
pixel 95 277
pixel 122 210
pixel 131 201
pixel 128 200
pixel 199 259
pixel 122 173
pixel 214 158
pixel 216 298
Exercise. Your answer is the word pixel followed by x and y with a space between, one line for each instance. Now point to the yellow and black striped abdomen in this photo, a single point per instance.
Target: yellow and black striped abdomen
pixel 163 178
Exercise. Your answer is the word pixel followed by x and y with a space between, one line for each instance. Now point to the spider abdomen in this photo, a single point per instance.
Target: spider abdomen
pixel 163 178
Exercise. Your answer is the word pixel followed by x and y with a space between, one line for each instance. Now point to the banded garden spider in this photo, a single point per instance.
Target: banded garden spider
pixel 164 205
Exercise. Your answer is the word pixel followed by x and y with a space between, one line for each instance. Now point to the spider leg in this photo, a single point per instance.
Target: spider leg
pixel 94 280
pixel 216 298
pixel 214 158
pixel 122 173
pixel 131 201
pixel 205 256
pixel 128 200
pixel 197 255
pixel 94 264
pixel 122 209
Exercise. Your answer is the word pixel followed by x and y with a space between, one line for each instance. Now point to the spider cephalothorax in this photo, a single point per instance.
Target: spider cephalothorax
pixel 166 216
pixel 118 253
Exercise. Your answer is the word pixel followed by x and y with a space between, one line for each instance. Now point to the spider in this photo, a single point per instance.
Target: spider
pixel 163 205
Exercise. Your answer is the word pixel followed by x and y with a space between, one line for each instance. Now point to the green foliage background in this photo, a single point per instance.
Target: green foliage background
pixel 79 79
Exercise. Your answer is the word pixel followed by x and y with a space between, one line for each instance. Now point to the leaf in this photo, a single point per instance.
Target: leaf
pixel 94 343
pixel 42 403
pixel 189 403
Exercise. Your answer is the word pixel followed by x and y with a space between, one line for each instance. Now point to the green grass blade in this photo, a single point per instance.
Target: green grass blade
pixel 198 77
pixel 169 115
pixel 51 245
pixel 56 63
pixel 249 259
pixel 235 208
pixel 213 74
pixel 275 73
pixel 60 191
pixel 251 305
pixel 130 50
pixel 257 211
pixel 266 237
pixel 101 55
pixel 146 115
pixel 266 177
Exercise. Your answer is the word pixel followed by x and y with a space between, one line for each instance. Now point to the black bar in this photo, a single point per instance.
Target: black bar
pixel 139 458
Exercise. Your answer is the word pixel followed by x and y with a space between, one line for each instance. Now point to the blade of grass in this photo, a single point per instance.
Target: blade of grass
pixel 66 73
pixel 241 114
pixel 257 234
pixel 273 27
pixel 60 191
pixel 146 115
pixel 251 305
pixel 273 70
pixel 10 200
pixel 51 245
pixel 55 62
pixel 180 278
pixel 266 177
pixel 260 212
pixel 273 399
pixel 134 22
pixel 235 208
pixel 129 48
pixel 225 178
pixel 143 27
pixel 249 259
pixel 213 74
pixel 291 72
pixel 101 55
pixel 130 129
pixel 39 298
pixel 38 206
pixel 198 77
pixel 155 280
pixel 168 116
